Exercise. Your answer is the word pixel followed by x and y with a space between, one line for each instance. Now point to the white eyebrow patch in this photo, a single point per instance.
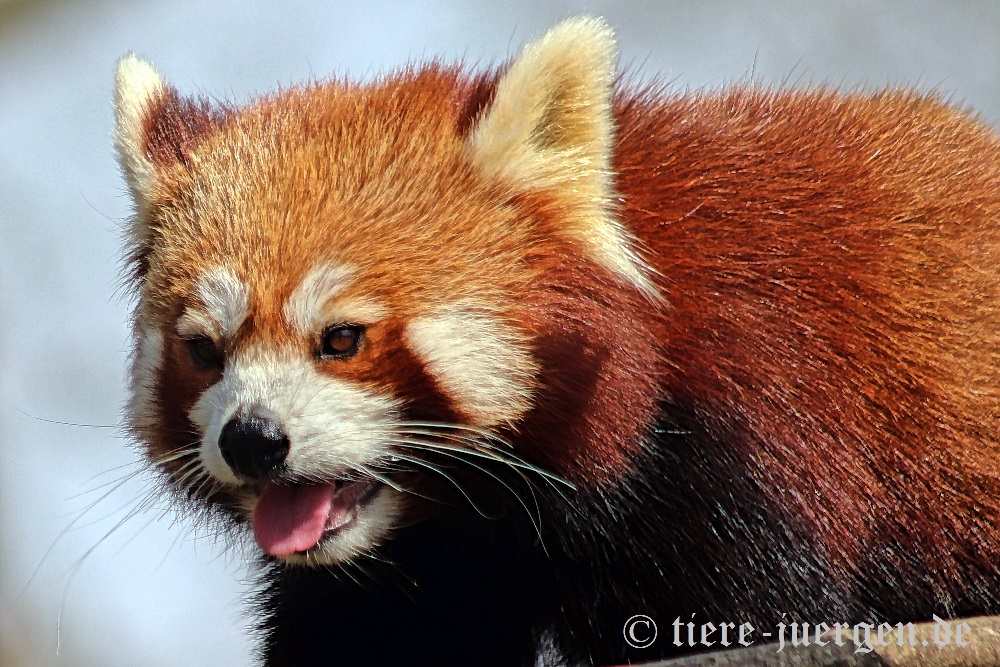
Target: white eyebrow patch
pixel 355 311
pixel 307 308
pixel 224 305
pixel 483 363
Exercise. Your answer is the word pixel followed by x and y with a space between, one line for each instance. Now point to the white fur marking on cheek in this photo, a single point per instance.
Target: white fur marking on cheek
pixel 225 300
pixel 483 363
pixel 304 308
pixel 210 413
pixel 333 425
pixel 145 366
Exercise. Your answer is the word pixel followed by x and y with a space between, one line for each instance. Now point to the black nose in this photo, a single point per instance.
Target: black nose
pixel 253 446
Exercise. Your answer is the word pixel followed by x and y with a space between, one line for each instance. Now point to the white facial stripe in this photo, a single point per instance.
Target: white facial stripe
pixel 304 308
pixel 146 362
pixel 483 363
pixel 333 425
pixel 225 303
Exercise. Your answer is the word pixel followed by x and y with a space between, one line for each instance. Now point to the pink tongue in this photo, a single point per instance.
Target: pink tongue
pixel 289 519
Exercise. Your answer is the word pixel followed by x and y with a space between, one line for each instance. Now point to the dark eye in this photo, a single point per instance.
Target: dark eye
pixel 341 341
pixel 204 352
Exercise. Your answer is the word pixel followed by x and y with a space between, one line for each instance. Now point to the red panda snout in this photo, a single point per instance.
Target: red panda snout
pixel 253 446
pixel 330 429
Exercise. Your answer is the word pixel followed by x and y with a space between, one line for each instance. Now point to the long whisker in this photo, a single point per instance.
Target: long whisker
pixel 187 474
pixel 65 423
pixel 456 454
pixel 117 427
pixel 139 506
pixel 483 433
pixel 76 523
pixel 459 436
pixel 454 482
pixel 190 450
pixel 479 437
pixel 509 459
pixel 382 478
pixel 424 464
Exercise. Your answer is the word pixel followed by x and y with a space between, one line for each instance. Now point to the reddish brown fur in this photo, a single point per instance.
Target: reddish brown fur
pixel 177 125
pixel 791 284
pixel 830 263
pixel 827 264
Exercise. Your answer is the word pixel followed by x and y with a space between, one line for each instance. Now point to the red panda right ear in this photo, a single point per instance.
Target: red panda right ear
pixel 156 130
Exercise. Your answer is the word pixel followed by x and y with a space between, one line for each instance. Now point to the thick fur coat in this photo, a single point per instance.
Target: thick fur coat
pixel 490 362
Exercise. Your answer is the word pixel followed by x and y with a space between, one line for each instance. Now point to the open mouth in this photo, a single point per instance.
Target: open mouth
pixel 295 518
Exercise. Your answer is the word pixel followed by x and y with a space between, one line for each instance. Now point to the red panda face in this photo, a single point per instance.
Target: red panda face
pixel 333 281
pixel 314 340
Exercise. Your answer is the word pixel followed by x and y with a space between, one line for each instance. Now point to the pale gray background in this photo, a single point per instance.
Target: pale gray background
pixel 151 594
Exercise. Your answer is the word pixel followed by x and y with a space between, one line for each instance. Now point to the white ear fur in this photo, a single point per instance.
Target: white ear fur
pixel 137 88
pixel 550 127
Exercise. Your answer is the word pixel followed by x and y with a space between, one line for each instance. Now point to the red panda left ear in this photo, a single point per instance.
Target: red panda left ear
pixel 156 129
pixel 550 127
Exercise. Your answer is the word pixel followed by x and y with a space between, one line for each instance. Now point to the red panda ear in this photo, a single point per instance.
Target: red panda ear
pixel 550 127
pixel 139 94
pixel 156 129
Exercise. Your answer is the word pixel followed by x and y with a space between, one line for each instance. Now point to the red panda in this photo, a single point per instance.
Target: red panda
pixel 489 362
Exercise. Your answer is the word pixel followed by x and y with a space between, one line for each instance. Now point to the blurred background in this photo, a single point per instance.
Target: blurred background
pixel 90 572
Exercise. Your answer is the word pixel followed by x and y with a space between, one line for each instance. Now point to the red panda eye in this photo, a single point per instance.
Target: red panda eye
pixel 204 352
pixel 341 341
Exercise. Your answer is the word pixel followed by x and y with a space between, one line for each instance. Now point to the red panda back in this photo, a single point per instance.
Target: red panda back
pixel 830 267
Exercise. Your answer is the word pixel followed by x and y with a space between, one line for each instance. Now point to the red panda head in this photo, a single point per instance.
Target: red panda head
pixel 337 276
